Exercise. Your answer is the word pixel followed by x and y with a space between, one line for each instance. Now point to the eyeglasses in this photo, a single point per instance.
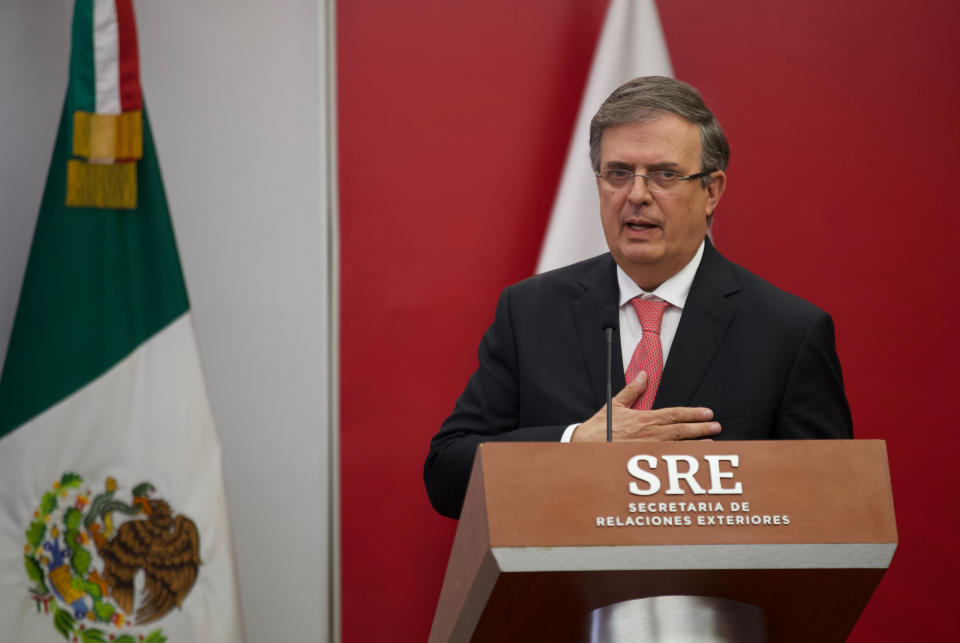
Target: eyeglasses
pixel 656 181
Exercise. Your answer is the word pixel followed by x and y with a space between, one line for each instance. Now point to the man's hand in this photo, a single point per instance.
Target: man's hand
pixel 676 423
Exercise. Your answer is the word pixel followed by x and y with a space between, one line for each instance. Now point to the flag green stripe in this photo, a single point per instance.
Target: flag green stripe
pixel 83 77
pixel 98 283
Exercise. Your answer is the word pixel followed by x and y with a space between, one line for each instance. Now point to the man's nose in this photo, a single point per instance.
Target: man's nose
pixel 639 191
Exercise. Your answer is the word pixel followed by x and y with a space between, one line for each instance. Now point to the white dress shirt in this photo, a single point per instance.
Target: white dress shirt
pixel 674 291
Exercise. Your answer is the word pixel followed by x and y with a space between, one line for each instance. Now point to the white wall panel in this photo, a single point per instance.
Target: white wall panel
pixel 236 97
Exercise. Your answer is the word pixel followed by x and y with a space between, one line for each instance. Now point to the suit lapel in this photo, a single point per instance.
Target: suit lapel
pixel 706 317
pixel 600 289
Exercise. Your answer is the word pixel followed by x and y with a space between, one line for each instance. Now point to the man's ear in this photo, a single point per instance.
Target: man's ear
pixel 715 188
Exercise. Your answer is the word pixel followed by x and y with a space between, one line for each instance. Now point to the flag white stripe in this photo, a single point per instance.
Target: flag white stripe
pixel 106 56
pixel 631 45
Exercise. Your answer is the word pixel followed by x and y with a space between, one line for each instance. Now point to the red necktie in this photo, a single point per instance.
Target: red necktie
pixel 648 356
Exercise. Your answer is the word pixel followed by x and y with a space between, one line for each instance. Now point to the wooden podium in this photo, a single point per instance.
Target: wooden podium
pixel 549 532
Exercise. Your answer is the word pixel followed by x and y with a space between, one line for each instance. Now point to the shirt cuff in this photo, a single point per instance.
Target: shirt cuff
pixel 568 433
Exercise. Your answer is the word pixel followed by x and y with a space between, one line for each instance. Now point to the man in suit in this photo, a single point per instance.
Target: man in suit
pixel 711 350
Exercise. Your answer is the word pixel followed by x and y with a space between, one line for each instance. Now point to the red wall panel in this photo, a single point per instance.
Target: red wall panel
pixel 842 117
pixel 454 121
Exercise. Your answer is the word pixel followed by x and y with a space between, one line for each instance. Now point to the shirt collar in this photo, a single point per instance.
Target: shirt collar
pixel 674 290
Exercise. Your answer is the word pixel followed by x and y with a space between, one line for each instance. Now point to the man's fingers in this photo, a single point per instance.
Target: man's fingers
pixel 682 414
pixel 632 391
pixel 674 423
pixel 667 432
pixel 691 431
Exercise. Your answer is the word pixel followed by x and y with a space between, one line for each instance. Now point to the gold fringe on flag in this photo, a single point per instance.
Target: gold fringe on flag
pixel 101 185
pixel 108 136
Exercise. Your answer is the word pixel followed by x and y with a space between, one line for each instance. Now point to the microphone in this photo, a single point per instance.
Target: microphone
pixel 609 319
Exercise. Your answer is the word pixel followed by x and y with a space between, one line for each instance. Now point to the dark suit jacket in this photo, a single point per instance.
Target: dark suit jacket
pixel 762 359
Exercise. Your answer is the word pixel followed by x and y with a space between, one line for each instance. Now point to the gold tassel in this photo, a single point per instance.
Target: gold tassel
pixel 108 136
pixel 97 185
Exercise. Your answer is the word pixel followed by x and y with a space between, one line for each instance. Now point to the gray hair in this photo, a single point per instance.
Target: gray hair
pixel 640 99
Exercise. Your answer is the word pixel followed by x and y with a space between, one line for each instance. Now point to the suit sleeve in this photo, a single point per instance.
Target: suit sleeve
pixel 487 411
pixel 814 403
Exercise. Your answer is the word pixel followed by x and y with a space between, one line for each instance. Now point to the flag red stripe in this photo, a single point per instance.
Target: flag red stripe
pixel 130 97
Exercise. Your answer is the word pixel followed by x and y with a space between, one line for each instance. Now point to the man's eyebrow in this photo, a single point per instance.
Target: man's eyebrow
pixel 663 165
pixel 618 165
pixel 621 165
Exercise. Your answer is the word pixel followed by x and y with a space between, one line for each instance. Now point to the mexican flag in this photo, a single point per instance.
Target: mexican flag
pixel 113 516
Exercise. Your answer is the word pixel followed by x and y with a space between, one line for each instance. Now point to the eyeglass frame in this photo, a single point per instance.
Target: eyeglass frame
pixel 646 177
